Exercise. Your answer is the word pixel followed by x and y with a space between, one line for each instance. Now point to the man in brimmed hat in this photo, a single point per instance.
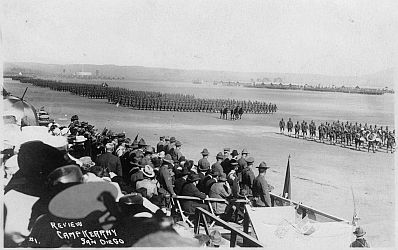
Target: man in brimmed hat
pixel 190 189
pixel 181 180
pixel 217 165
pixel 220 190
pixel 210 178
pixel 165 179
pixel 225 163
pixel 148 182
pixel 234 154
pixel 109 161
pixel 261 188
pixel 176 151
pixel 248 176
pixel 171 145
pixel 360 240
pixel 242 160
pixel 204 163
pixel 160 145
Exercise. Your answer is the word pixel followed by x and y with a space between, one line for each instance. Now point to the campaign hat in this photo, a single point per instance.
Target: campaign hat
pixel 234 153
pixel 205 152
pixel 263 165
pixel 182 158
pixel 172 139
pixel 214 173
pixel 220 156
pixel 204 166
pixel 78 201
pixel 249 159
pixel 227 150
pixel 178 143
pixel 359 232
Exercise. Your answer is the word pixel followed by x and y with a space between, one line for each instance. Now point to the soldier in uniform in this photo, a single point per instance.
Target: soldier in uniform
pixel 248 176
pixel 360 240
pixel 261 188
pixel 282 126
pixel 217 165
pixel 289 126
pixel 160 145
pixel 297 130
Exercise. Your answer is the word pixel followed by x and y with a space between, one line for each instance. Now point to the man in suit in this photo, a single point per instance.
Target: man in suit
pixel 220 190
pixel 109 161
pixel 261 188
pixel 160 145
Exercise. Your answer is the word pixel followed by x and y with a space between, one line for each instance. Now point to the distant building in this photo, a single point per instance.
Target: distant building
pixel 82 73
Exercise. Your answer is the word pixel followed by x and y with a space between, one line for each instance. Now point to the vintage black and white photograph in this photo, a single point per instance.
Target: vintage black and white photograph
pixel 190 123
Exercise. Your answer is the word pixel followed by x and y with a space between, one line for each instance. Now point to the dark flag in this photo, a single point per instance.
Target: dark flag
pixel 287 192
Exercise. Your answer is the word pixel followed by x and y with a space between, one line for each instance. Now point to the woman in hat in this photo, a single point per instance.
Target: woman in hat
pixel 190 189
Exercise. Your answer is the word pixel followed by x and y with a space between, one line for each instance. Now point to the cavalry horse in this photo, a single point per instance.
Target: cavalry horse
pixel 224 113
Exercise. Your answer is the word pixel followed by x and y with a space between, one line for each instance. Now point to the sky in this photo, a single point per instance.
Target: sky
pixel 354 37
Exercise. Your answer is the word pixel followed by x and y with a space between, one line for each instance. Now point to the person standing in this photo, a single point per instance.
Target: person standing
pixel 360 240
pixel 204 163
pixel 217 165
pixel 160 145
pixel 110 162
pixel 282 126
pixel 289 126
pixel 261 188
pixel 248 176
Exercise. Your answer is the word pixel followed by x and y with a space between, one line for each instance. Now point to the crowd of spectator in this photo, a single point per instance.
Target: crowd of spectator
pixel 82 187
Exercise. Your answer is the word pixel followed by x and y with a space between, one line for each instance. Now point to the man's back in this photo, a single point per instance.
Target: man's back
pixel 111 162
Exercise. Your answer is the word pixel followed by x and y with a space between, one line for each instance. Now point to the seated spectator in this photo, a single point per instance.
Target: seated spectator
pixel 220 190
pixel 180 182
pixel 150 184
pixel 190 189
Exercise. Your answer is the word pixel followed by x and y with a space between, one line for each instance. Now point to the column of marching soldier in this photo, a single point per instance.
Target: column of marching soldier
pixel 345 134
pixel 150 100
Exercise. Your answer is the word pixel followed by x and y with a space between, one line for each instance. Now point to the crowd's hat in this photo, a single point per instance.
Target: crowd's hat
pixel 249 159
pixel 172 139
pixel 148 171
pixel 214 173
pixel 263 165
pixel 167 138
pixel 87 161
pixel 220 156
pixel 359 232
pixel 168 159
pixel 161 154
pixel 66 174
pixel 178 143
pixel 74 118
pixel 36 159
pixel 80 200
pixel 244 151
pixel 182 158
pixel 79 139
pixel 205 152
pixel 141 142
pixel 234 153
pixel 161 137
pixel 132 199
pixel 193 177
pixel 222 177
pixel 227 150
pixel 156 162
pixel 110 146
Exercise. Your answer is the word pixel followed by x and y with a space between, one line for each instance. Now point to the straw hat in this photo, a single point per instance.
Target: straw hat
pixel 359 232
pixel 148 171
pixel 79 139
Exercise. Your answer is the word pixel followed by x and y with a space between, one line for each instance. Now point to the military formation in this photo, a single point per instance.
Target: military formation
pixel 345 134
pixel 157 101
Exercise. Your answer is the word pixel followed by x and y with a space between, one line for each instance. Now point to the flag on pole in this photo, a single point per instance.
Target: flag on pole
pixel 287 192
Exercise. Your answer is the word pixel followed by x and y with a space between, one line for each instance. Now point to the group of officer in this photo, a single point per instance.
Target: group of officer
pixel 150 100
pixel 343 133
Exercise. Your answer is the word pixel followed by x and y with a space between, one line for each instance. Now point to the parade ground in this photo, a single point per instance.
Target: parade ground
pixel 322 175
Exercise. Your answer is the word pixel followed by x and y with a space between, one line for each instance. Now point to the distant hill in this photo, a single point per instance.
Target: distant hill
pixel 377 80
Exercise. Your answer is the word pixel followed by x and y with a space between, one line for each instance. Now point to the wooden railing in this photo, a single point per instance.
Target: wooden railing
pixel 202 215
pixel 307 209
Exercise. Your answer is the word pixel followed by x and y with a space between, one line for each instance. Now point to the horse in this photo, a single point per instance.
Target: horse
pixel 224 113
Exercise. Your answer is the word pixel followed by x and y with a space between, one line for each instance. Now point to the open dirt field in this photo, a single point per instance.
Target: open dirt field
pixel 322 175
